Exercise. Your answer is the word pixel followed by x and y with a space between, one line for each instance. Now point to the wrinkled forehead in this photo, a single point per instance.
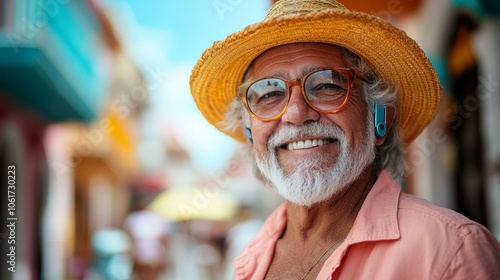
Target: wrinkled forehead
pixel 276 60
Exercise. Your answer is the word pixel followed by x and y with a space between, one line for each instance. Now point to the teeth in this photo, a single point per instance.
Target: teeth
pixel 300 145
pixel 307 144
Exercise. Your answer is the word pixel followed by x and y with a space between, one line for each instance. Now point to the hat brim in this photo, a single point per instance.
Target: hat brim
pixel 393 55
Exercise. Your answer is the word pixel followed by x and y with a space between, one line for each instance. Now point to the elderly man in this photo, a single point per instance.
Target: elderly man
pixel 327 99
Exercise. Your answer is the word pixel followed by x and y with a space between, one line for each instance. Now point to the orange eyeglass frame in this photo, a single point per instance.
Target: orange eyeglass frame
pixel 351 76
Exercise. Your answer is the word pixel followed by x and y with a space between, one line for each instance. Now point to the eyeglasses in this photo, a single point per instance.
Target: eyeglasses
pixel 325 91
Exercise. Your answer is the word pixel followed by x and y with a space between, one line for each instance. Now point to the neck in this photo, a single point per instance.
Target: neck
pixel 333 218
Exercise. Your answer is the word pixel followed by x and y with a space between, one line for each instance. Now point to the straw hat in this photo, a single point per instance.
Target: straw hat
pixel 392 54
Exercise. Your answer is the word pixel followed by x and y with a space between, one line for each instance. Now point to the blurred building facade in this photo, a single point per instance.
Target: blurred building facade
pixel 454 163
pixel 70 100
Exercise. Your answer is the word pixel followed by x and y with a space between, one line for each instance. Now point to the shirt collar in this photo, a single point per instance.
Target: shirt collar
pixel 378 216
pixel 257 256
pixel 377 220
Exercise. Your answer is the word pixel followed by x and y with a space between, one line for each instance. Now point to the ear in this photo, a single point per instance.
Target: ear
pixel 390 115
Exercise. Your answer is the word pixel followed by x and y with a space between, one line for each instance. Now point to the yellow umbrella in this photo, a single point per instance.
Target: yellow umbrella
pixel 195 203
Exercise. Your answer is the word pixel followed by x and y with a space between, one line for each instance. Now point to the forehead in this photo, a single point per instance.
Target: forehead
pixel 284 60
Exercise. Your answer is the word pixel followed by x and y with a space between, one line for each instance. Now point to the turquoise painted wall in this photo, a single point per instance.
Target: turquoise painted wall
pixel 53 59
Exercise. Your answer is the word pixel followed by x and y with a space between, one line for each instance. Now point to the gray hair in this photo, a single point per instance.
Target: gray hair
pixel 390 155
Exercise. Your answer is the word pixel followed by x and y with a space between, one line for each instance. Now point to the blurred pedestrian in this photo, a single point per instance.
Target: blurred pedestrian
pixel 149 240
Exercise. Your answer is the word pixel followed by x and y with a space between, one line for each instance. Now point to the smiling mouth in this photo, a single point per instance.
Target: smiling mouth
pixel 307 144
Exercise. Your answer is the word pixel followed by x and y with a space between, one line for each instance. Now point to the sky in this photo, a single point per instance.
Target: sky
pixel 166 38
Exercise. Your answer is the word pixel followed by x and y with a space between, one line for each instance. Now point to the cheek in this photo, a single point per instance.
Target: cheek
pixel 359 127
pixel 357 105
pixel 354 123
pixel 261 131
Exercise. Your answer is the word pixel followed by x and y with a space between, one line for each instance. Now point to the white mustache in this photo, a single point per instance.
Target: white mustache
pixel 312 130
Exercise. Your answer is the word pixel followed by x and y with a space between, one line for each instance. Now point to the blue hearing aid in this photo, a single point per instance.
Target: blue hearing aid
pixel 380 120
pixel 248 133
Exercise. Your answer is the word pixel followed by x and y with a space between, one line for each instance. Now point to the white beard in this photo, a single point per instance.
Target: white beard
pixel 311 182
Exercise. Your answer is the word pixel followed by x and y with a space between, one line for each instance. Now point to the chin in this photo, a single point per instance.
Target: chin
pixel 311 189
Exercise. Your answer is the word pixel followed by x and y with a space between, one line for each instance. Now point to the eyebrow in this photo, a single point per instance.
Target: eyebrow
pixel 303 71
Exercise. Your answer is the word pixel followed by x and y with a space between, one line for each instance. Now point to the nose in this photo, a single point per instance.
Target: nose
pixel 298 111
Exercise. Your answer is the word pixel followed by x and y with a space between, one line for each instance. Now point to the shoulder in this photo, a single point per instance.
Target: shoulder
pixel 419 216
pixel 451 241
pixel 413 209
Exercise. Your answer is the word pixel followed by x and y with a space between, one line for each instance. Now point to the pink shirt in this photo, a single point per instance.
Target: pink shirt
pixel 395 236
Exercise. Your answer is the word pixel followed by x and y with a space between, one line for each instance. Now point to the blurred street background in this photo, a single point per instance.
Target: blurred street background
pixel 116 175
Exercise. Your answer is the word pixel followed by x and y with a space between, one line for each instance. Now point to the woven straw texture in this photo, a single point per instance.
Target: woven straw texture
pixel 393 55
